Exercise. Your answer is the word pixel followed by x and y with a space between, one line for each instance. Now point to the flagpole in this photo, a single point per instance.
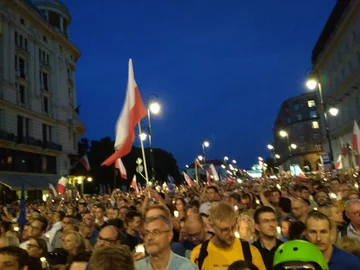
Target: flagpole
pixel 196 173
pixel 143 154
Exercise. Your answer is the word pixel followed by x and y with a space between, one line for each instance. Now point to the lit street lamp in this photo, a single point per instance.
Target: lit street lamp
pixel 285 134
pixel 154 107
pixel 234 161
pixel 334 111
pixel 200 157
pixel 312 83
pixel 293 146
pixel 277 156
pixel 270 147
pixel 205 144
pixel 143 136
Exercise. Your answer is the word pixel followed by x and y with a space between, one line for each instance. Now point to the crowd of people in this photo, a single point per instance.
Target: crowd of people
pixel 282 223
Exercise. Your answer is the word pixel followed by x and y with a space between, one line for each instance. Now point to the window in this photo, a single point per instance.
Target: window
pixel 311 103
pixel 46 104
pixel 25 44
pixel 27 127
pixel 296 107
pixel 16 38
pixel 50 133
pixel 44 133
pixel 22 68
pixel 22 94
pixel 16 63
pixel 318 147
pixel 302 138
pixel 47 59
pixel 60 49
pixel 302 149
pixel 313 114
pixel 45 81
pixel 45 39
pixel 299 117
pixel 22 21
pixel 316 136
pixel 20 131
pixel 315 124
pixel 21 42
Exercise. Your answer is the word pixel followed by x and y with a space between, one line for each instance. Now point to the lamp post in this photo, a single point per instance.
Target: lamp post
pixel 312 83
pixel 272 149
pixel 205 144
pixel 154 107
pixel 284 134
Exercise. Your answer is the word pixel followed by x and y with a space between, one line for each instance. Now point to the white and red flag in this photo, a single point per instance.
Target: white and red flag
pixel 120 166
pixel 213 172
pixel 132 112
pixel 338 164
pixel 134 184
pixel 61 185
pixel 52 190
pixel 343 147
pixel 85 162
pixel 208 177
pixel 188 180
pixel 197 163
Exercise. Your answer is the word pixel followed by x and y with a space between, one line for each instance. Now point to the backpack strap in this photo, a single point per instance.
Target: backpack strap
pixel 203 254
pixel 246 250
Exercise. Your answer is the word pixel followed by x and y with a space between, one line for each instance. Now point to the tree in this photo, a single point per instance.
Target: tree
pixel 98 150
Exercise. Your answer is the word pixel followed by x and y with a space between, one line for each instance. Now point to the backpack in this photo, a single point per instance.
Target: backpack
pixel 203 252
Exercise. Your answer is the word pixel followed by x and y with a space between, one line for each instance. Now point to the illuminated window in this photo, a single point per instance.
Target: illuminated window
pixel 313 114
pixel 315 124
pixel 311 103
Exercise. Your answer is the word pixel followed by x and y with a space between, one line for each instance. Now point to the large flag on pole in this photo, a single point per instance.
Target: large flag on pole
pixel 61 185
pixel 134 184
pixel 132 112
pixel 213 172
pixel 120 166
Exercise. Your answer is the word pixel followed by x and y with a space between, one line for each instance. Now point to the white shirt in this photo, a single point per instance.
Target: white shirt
pixel 51 233
pixel 204 207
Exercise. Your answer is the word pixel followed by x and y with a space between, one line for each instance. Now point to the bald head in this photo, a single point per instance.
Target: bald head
pixel 109 235
pixel 194 219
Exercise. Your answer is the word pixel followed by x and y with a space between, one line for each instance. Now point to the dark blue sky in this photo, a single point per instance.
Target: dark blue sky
pixel 221 68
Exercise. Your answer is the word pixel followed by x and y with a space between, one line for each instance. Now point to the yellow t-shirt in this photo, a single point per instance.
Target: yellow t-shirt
pixel 220 259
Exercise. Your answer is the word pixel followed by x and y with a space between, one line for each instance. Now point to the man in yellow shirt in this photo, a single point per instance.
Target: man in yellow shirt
pixel 224 248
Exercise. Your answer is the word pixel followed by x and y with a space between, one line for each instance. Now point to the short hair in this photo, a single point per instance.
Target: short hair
pixel 44 222
pixel 131 215
pixel 262 210
pixel 238 265
pixel 102 207
pixel 163 218
pixel 302 188
pixel 212 187
pixel 61 214
pixel 275 190
pixel 160 207
pixel 349 244
pixel 114 257
pixel 221 211
pixel 196 218
pixel 350 202
pixel 11 240
pixel 22 257
pixel 335 179
pixel 116 222
pixel 115 208
pixel 246 196
pixel 296 229
pixel 318 216
pixel 42 245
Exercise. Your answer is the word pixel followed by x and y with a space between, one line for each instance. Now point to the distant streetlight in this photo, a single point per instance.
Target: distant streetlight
pixel 270 147
pixel 293 146
pixel 143 136
pixel 223 166
pixel 226 158
pixel 234 161
pixel 260 158
pixel 187 166
pixel 206 144
pixel 334 111
pixel 311 84
pixel 283 133
pixel 89 179
pixel 277 156
pixel 154 107
pixel 200 157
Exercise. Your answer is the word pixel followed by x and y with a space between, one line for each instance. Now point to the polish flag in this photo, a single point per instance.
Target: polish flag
pixel 134 184
pixel 197 163
pixel 85 161
pixel 208 177
pixel 61 185
pixel 188 180
pixel 302 174
pixel 339 164
pixel 52 190
pixel 343 147
pixel 213 172
pixel 132 112
pixel 120 166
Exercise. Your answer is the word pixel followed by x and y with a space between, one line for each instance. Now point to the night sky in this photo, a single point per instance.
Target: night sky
pixel 221 68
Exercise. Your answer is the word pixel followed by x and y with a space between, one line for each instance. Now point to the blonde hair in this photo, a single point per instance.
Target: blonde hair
pixel 162 208
pixel 350 244
pixel 221 211
pixel 114 257
pixel 78 239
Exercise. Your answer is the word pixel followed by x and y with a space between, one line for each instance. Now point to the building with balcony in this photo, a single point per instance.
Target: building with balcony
pixel 39 122
pixel 336 57
pixel 299 118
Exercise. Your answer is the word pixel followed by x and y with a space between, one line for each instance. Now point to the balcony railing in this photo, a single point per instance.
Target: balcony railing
pixel 11 137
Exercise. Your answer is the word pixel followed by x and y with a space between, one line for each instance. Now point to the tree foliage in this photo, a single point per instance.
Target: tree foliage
pixel 98 150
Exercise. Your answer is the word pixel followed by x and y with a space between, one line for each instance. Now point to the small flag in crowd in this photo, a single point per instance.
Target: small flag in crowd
pixel 208 177
pixel 343 147
pixel 120 166
pixel 52 191
pixel 339 164
pixel 134 184
pixel 61 185
pixel 171 184
pixel 213 172
pixel 188 180
pixel 132 112
pixel 85 162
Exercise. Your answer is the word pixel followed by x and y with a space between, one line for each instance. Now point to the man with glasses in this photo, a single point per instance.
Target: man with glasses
pixel 300 208
pixel 37 228
pixel 265 224
pixel 223 248
pixel 157 238
pixel 109 235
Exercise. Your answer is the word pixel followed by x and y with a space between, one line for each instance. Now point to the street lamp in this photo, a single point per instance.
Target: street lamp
pixel 293 146
pixel 153 106
pixel 143 136
pixel 187 166
pixel 200 157
pixel 89 179
pixel 270 147
pixel 234 161
pixel 334 111
pixel 204 144
pixel 311 83
pixel 277 156
pixel 261 159
pixel 285 134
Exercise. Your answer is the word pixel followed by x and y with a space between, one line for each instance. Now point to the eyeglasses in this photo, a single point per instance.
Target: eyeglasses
pixel 297 268
pixel 155 233
pixel 226 230
pixel 31 246
pixel 34 228
pixel 106 240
